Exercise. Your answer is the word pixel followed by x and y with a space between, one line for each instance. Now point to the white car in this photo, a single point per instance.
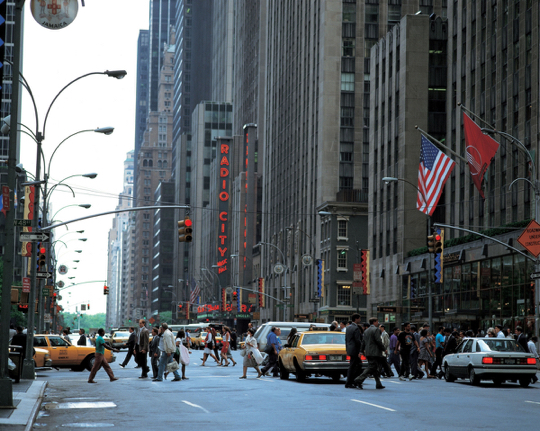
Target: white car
pixel 496 359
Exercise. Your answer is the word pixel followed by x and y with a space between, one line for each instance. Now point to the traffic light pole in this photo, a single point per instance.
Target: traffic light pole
pixel 430 283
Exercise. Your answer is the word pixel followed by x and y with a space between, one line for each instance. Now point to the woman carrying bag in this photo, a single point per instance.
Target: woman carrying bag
pixel 208 346
pixel 250 349
pixel 226 348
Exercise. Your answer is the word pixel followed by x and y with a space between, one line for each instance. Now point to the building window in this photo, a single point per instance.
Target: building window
pixel 342 230
pixel 348 48
pixel 342 260
pixel 344 295
pixel 347 82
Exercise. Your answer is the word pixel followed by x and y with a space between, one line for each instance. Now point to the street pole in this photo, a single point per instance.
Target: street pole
pixel 430 282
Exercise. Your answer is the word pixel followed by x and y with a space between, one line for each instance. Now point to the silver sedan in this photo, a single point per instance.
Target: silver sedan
pixel 496 359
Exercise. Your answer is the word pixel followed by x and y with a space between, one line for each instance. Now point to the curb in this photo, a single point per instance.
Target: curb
pixel 35 409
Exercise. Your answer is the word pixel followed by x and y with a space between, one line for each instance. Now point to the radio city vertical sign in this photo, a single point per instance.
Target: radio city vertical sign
pixel 224 200
pixel 250 153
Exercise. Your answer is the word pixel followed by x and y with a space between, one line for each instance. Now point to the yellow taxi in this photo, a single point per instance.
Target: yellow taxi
pixel 319 353
pixel 119 338
pixel 66 355
pixel 42 358
pixel 197 340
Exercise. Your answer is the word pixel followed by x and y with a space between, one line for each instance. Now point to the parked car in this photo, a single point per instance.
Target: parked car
pixel 65 355
pixel 315 352
pixel 496 359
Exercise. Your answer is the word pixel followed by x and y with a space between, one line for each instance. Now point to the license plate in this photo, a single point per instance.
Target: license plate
pixel 509 361
pixel 335 357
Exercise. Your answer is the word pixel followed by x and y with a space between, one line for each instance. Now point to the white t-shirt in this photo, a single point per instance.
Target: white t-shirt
pixel 500 334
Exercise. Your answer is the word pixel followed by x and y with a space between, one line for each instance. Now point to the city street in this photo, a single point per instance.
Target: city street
pixel 215 399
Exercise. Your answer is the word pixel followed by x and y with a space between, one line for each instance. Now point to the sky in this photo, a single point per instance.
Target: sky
pixel 102 37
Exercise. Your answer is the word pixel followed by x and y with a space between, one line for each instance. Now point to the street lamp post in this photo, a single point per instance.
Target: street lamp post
pixel 536 188
pixel 388 180
pixel 39 137
pixel 283 265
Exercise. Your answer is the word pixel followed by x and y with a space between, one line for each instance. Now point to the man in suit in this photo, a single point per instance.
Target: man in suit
pixel 82 338
pixel 374 349
pixel 141 349
pixel 19 339
pixel 521 338
pixel 130 346
pixel 451 342
pixel 353 344
pixel 154 351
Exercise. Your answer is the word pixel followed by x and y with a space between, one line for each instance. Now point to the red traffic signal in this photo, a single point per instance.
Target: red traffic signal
pixel 105 290
pixel 179 306
pixel 42 250
pixel 188 222
pixel 185 230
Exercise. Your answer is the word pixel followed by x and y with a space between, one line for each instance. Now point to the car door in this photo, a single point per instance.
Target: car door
pixel 455 361
pixel 59 350
pixel 289 354
pixel 462 358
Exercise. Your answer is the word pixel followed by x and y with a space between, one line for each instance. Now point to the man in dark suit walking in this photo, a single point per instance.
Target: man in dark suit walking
pixel 141 349
pixel 353 343
pixel 130 346
pixel 374 349
pixel 521 339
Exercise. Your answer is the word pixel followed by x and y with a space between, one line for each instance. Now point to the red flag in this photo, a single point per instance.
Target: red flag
pixel 480 150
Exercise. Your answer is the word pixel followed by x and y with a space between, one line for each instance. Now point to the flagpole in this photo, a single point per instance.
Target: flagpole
pixel 474 115
pixel 440 144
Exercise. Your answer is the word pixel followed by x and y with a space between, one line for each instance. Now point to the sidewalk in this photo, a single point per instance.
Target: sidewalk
pixel 27 396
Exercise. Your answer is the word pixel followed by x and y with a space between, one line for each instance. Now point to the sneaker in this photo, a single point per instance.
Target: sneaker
pixel 402 378
pixel 411 377
pixel 122 366
pixel 176 379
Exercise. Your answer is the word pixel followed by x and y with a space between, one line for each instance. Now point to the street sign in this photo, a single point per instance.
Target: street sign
pixel 62 269
pixel 45 291
pixel 314 300
pixel 26 284
pixel 23 223
pixel 530 238
pixel 34 237
pixel 535 275
pixel 43 274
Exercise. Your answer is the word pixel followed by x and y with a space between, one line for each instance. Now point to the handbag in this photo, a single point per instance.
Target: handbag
pixel 257 356
pixel 172 366
pixel 243 352
pixel 184 355
pixel 269 349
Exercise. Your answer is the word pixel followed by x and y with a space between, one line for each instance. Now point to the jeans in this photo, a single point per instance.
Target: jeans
pixel 405 361
pixel 414 362
pixel 394 359
pixel 163 361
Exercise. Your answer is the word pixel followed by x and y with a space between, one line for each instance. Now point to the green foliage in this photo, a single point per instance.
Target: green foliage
pixel 165 316
pixel 87 320
pixel 472 237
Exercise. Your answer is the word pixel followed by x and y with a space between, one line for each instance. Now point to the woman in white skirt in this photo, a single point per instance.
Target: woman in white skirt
pixel 249 360
pixel 208 346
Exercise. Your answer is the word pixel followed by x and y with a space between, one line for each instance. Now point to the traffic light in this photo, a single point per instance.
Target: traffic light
pixel 439 258
pixel 88 307
pixel 185 230
pixel 105 290
pixel 261 292
pixel 431 243
pixel 42 259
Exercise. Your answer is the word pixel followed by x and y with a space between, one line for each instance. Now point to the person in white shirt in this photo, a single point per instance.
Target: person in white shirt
pixel 499 332
pixel 531 344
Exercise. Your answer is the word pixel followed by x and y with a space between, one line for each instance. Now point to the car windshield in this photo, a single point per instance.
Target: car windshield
pixel 121 335
pixel 57 341
pixel 500 345
pixel 324 338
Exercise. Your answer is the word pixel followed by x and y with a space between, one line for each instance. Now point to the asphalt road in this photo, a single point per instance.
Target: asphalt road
pixel 215 399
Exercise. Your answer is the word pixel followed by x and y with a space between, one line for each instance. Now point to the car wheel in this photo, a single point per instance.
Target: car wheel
pixel 473 378
pixel 300 374
pixel 524 382
pixel 90 362
pixel 448 376
pixel 283 373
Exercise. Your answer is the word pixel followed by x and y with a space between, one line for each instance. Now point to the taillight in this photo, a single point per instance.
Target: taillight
pixel 348 358
pixel 531 361
pixel 487 360
pixel 363 358
pixel 315 357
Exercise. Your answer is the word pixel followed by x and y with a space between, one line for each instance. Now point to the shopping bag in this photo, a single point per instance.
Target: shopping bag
pixel 184 355
pixel 257 356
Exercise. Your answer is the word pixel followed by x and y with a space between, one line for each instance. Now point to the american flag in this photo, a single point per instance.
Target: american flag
pixel 194 293
pixel 435 168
